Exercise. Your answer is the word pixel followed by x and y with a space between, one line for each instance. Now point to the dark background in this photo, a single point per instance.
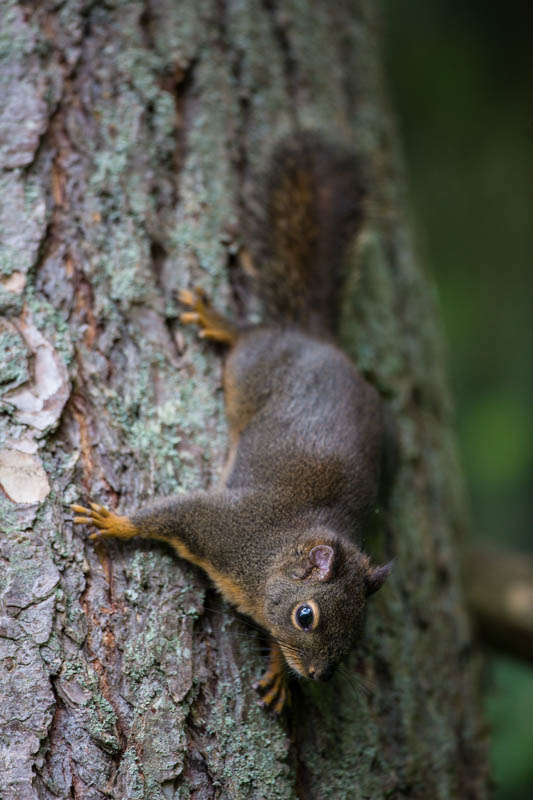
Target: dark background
pixel 461 78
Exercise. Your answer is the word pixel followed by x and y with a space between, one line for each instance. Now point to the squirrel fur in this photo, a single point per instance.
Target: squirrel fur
pixel 280 536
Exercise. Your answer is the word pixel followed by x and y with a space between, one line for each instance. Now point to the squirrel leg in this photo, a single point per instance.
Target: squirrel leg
pixel 273 685
pixel 168 521
pixel 213 324
pixel 202 527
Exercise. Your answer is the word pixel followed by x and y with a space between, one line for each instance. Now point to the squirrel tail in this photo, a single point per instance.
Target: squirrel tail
pixel 313 204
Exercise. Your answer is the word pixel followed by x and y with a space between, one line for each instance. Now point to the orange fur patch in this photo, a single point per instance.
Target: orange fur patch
pixel 229 589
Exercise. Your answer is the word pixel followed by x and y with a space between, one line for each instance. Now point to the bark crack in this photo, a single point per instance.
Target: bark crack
pixel 279 30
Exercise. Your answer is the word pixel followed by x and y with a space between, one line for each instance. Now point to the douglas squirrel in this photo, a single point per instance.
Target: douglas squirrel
pixel 280 535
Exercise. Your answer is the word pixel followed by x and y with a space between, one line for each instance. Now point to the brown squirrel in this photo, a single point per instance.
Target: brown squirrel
pixel 280 536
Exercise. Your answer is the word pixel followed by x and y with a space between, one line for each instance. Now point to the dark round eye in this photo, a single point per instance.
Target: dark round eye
pixel 305 616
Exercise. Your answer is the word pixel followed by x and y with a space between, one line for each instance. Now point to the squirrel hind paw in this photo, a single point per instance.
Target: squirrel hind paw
pixel 213 325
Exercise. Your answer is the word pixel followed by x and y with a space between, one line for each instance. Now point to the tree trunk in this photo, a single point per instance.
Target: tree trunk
pixel 130 134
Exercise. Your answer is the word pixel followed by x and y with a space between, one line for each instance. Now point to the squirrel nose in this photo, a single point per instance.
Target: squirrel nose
pixel 324 675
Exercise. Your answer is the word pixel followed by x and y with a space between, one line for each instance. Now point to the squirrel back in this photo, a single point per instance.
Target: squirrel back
pixel 313 197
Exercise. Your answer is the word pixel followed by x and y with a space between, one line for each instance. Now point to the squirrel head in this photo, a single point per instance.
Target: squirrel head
pixel 315 601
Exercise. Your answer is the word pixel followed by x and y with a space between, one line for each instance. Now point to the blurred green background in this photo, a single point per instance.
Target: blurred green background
pixel 461 79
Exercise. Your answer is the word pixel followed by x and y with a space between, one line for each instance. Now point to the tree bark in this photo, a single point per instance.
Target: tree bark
pixel 130 135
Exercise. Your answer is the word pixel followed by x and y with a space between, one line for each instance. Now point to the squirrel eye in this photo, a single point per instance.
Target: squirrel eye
pixel 305 616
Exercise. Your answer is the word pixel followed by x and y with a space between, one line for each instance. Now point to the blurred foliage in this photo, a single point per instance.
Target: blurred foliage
pixel 510 710
pixel 460 72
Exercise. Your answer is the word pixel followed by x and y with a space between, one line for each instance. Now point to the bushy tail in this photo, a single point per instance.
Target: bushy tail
pixel 313 203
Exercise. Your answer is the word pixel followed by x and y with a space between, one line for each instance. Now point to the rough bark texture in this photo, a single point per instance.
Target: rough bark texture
pixel 129 136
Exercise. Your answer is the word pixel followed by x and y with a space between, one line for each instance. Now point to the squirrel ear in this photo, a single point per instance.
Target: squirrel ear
pixel 321 558
pixel 376 578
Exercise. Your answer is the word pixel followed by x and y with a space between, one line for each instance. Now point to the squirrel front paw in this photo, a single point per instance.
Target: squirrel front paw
pixel 108 523
pixel 273 686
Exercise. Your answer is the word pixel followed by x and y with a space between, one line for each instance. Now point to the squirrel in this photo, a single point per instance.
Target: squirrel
pixel 280 536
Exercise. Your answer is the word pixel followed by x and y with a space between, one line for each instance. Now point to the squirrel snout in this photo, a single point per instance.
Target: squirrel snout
pixel 323 674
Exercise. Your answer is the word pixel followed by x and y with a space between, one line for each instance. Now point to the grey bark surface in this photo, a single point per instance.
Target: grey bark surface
pixel 130 134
